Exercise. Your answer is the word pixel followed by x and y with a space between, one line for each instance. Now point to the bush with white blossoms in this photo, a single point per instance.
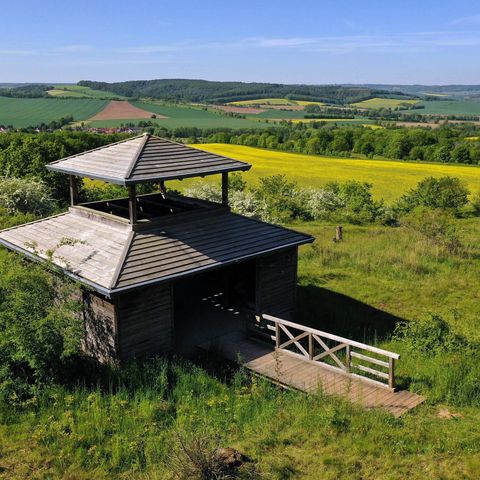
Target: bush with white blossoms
pixel 244 202
pixel 322 203
pixel 204 191
pixel 248 204
pixel 24 195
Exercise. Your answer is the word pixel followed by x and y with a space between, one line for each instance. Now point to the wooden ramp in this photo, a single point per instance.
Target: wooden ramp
pixel 298 373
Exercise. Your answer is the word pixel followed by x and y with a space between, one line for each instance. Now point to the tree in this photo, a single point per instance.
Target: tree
pixel 461 154
pixel 448 193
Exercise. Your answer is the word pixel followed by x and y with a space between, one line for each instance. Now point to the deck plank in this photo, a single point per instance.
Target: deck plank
pixel 301 374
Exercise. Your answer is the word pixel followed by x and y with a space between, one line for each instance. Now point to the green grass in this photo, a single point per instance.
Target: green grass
pixel 272 113
pixel 183 116
pixel 315 171
pixel 77 91
pixel 383 103
pixel 449 107
pixel 357 287
pixel 394 270
pixel 23 112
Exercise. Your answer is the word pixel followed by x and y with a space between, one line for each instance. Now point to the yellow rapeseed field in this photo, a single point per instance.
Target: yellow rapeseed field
pixel 390 179
pixel 383 103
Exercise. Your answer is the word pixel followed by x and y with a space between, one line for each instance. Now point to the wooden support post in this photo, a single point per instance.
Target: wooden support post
pixel 277 335
pixel 348 358
pixel 391 373
pixel 339 233
pixel 163 189
pixel 132 204
pixel 310 346
pixel 73 190
pixel 225 189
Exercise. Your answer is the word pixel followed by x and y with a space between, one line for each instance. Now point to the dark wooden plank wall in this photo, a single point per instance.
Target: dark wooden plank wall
pixel 145 322
pixel 99 316
pixel 276 283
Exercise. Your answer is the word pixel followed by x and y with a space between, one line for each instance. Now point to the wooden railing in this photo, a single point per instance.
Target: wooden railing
pixel 332 351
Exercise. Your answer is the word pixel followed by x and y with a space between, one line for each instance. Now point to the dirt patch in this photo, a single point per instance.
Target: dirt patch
pixel 241 110
pixel 446 414
pixel 122 110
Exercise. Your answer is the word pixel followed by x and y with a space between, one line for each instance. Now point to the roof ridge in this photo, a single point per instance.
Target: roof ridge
pixel 146 137
pixel 94 149
pixel 121 261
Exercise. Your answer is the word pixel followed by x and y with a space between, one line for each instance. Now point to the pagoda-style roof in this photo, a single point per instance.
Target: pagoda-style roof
pixel 145 158
pixel 111 257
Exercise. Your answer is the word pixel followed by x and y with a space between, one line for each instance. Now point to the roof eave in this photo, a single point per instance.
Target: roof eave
pixel 99 288
pixel 117 181
pixel 176 276
pixel 187 175
pixel 125 182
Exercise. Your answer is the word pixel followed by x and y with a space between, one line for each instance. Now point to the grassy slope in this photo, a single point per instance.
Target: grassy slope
pixel 77 91
pixel 179 116
pixel 383 103
pixel 364 281
pixel 23 112
pixel 378 266
pixel 450 107
pixel 314 171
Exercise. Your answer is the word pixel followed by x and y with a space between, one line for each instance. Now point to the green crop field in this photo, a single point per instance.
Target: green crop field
pixel 315 171
pixel 273 113
pixel 77 91
pixel 383 103
pixel 182 116
pixel 450 107
pixel 24 112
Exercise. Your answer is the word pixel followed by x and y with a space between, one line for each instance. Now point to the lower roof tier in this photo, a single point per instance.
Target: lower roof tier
pixel 112 258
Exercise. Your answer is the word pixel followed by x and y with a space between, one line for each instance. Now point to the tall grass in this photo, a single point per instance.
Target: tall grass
pixel 128 430
pixel 126 424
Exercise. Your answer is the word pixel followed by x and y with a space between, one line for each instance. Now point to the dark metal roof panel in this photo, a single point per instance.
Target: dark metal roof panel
pixel 179 250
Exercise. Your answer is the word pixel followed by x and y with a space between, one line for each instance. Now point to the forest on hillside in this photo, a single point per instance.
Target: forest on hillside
pixel 222 92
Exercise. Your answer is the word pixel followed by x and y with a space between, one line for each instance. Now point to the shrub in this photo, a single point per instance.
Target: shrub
pixel 284 200
pixel 323 203
pixel 437 226
pixel 430 336
pixel 448 193
pixel 476 204
pixel 199 456
pixel 357 199
pixel 39 328
pixel 23 195
pixel 248 204
pixel 204 191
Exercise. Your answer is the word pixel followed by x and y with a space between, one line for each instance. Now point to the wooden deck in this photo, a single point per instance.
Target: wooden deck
pixel 298 373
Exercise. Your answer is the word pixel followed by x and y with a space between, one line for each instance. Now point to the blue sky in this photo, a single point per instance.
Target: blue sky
pixel 303 41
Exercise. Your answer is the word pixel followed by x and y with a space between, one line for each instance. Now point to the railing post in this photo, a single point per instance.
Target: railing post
pixel 310 346
pixel 348 358
pixel 277 336
pixel 391 373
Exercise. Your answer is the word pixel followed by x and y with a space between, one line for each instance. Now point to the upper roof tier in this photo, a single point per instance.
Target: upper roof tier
pixel 145 158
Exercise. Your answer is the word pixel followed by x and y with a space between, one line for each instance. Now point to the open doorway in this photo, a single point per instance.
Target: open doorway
pixel 212 304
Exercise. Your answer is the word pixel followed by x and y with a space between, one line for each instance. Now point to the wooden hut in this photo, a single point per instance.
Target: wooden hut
pixel 160 272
